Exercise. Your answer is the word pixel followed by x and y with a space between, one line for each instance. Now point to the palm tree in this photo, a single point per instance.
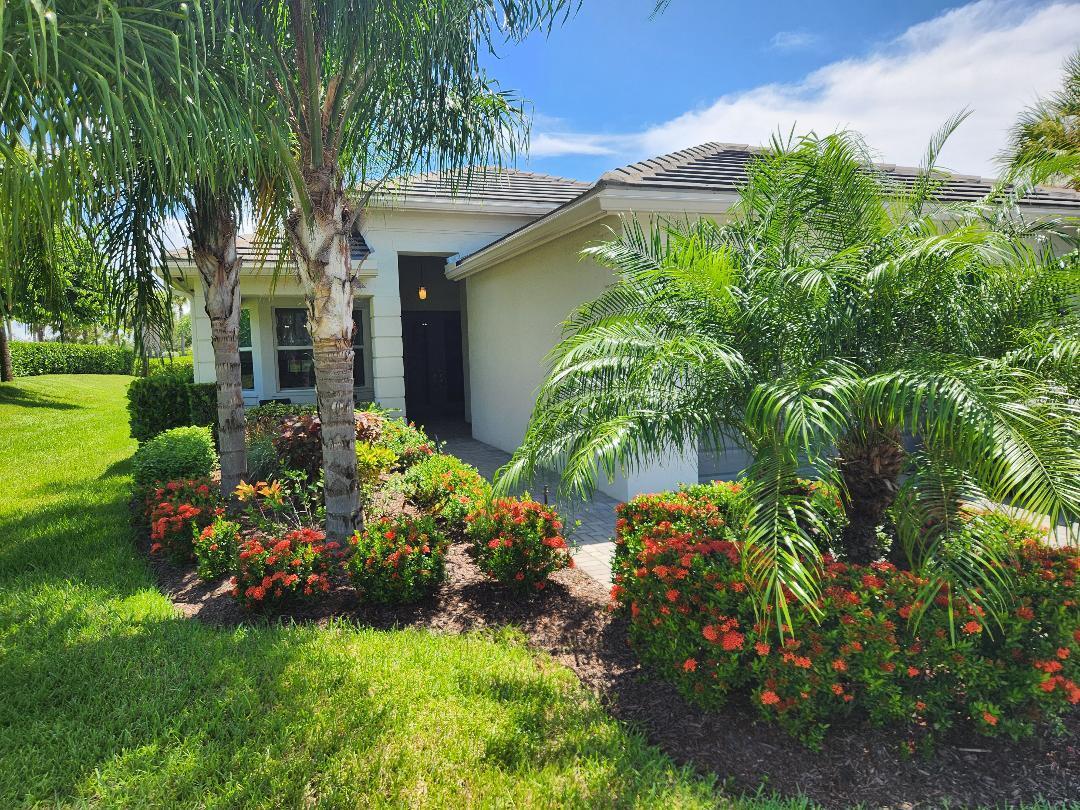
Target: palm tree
pixel 1049 130
pixel 917 354
pixel 365 91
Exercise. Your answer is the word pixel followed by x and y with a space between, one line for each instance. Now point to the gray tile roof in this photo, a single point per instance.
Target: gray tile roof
pixel 492 185
pixel 249 254
pixel 722 167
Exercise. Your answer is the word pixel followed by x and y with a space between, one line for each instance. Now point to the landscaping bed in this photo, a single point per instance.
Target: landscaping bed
pixel 570 621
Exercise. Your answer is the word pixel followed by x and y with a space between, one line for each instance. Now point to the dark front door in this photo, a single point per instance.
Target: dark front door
pixel 434 369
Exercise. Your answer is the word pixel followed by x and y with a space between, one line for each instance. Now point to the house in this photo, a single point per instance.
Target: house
pixel 464 290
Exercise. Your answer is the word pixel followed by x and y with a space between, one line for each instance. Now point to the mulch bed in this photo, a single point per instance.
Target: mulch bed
pixel 569 621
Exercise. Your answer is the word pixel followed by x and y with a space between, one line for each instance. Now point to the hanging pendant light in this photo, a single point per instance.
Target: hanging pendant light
pixel 422 292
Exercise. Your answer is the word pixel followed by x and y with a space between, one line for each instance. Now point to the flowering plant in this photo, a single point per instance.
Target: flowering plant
pixel 445 486
pixel 271 569
pixel 178 509
pixel 397 559
pixel 877 652
pixel 290 500
pixel 518 541
pixel 216 548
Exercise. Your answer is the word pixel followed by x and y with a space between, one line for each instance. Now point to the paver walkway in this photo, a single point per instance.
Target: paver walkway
pixel 595 531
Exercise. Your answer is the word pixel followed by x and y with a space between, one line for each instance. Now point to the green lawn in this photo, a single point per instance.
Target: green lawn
pixel 111 699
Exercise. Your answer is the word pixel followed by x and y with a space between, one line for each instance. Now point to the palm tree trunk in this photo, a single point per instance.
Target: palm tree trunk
pixel 214 248
pixel 870 464
pixel 7 372
pixel 321 246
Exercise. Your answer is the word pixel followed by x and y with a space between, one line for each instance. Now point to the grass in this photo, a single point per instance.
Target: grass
pixel 110 699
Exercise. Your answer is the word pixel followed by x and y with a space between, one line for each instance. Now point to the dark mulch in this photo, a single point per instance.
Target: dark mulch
pixel 569 620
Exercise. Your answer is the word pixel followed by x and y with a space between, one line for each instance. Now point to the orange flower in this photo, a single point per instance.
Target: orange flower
pixel 989 719
pixel 769 697
pixel 710 633
pixel 971 627
pixel 839 665
pixel 689 665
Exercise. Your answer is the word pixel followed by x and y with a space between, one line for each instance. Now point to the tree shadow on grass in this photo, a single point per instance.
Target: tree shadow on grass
pixel 21 397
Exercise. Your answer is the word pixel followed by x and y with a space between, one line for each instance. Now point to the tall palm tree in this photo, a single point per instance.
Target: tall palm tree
pixel 364 92
pixel 836 314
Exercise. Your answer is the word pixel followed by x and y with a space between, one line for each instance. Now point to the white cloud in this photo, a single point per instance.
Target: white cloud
pixel 993 57
pixel 793 40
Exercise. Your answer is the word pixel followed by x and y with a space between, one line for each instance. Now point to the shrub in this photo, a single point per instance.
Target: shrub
pixel 271 570
pixel 262 458
pixel 179 365
pixel 372 463
pixel 518 542
pixel 408 442
pixel 177 511
pixel 445 486
pixel 299 439
pixel 183 452
pixel 397 559
pixel 30 359
pixel 167 399
pixel 266 420
pixel 202 404
pixel 216 547
pixel 877 653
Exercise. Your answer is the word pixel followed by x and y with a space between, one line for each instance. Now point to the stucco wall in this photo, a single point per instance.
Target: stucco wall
pixel 515 312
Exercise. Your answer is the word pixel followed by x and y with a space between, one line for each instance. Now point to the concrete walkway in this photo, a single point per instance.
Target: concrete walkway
pixel 594 532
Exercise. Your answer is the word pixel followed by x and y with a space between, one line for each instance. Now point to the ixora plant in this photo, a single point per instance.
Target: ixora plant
pixel 177 510
pixel 919 355
pixel 679 577
pixel 271 569
pixel 518 542
pixel 397 559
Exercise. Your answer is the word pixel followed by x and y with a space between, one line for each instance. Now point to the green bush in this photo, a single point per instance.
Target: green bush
pixel 372 463
pixel 262 458
pixel 267 419
pixel 202 403
pixel 216 548
pixel 178 453
pixel 30 359
pixel 168 399
pixel 182 365
pixel 397 559
pixel 445 486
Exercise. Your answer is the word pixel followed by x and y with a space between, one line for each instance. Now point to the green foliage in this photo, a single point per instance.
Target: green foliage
pixel 1044 144
pixel 174 454
pixel 372 464
pixel 835 314
pixel 879 652
pixel 445 486
pixel 518 542
pixel 408 442
pixel 267 419
pixel 263 463
pixel 169 399
pixel 216 548
pixel 179 365
pixel 397 559
pixel 32 359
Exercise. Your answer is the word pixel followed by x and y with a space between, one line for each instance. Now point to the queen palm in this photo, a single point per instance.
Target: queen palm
pixel 918 354
pixel 365 91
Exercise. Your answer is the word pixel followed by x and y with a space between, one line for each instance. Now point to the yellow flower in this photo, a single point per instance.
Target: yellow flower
pixel 244 491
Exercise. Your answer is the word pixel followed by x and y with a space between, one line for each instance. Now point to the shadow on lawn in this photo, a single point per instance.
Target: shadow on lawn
pixel 23 398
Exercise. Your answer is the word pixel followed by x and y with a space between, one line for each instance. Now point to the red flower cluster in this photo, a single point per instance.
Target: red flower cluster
pixel 518 541
pixel 399 559
pixel 273 569
pixel 678 575
pixel 179 510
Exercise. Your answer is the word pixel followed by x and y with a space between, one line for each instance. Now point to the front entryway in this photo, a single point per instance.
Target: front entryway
pixel 432 341
pixel 434 371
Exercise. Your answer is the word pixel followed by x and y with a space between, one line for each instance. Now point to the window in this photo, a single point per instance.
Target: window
pixel 247 365
pixel 295 359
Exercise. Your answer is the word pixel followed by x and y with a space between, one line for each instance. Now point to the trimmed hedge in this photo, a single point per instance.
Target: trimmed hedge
pixel 179 453
pixel 32 359
pixel 168 400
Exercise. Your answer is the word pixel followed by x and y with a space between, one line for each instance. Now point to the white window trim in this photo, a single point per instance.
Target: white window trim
pixel 250 349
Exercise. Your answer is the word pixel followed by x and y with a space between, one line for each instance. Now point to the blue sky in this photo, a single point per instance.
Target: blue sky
pixel 613 85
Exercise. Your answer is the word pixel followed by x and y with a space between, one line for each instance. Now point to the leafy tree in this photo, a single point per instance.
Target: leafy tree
pixel 919 355
pixel 1047 133
pixel 364 92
